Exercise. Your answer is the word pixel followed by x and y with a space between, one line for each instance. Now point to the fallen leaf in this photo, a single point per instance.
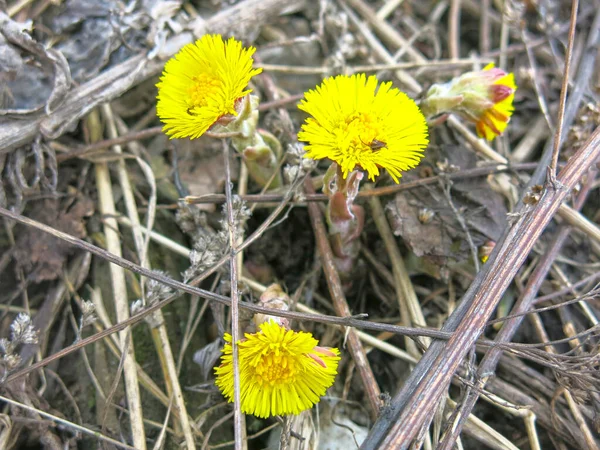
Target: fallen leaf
pixel 42 254
pixel 425 220
pixel 32 88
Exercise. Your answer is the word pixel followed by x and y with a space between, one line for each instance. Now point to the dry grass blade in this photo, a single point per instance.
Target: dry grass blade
pixel 113 244
pixel 67 424
pixel 410 308
pixel 159 332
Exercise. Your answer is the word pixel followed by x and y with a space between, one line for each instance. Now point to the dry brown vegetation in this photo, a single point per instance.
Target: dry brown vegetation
pixel 110 333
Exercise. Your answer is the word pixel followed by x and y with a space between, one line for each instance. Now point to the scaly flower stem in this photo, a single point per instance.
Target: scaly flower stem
pixel 345 219
pixel 260 149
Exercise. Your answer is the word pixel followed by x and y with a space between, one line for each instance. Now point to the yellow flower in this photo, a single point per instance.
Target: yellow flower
pixel 281 371
pixel 360 126
pixel 203 83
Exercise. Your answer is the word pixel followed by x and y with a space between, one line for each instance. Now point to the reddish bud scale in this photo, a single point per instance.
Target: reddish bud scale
pixel 499 92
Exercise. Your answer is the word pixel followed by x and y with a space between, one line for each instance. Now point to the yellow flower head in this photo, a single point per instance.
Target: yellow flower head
pixel 202 83
pixel 281 371
pixel 361 126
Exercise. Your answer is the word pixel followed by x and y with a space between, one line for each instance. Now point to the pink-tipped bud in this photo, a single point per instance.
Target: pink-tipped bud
pixel 483 97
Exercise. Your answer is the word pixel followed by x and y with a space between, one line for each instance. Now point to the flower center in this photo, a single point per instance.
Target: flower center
pixel 203 85
pixel 275 368
pixel 363 133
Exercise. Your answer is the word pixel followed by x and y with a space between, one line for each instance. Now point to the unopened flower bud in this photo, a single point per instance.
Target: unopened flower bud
pixel 484 97
pixel 486 250
pixel 274 298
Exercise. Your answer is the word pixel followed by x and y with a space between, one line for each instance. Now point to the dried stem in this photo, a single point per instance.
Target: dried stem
pixel 235 330
pixel 442 64
pixel 563 91
pixel 454 29
pixel 378 191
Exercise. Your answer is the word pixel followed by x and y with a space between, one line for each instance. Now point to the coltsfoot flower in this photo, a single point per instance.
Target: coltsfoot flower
pixel 361 125
pixel 484 97
pixel 202 84
pixel 281 371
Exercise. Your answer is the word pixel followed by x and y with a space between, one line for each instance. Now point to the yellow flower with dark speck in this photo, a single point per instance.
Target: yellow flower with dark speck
pixel 362 125
pixel 281 371
pixel 203 83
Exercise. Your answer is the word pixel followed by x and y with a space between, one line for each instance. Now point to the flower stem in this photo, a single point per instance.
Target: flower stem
pixel 261 150
pixel 345 219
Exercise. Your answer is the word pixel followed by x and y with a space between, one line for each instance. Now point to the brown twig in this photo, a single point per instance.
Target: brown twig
pixel 490 360
pixel 280 103
pixel 385 190
pixel 349 321
pixel 235 298
pixel 563 92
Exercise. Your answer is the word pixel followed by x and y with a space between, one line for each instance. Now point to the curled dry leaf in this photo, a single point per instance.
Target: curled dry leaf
pixel 31 90
pixel 207 356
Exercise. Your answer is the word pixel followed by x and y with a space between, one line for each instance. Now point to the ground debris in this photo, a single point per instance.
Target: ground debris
pixel 427 223
pixel 43 256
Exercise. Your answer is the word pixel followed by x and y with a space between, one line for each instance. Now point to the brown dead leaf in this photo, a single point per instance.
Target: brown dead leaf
pixel 202 169
pixel 438 234
pixel 43 254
